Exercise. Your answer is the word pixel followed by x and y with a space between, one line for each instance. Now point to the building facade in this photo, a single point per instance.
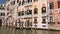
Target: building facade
pixel 33 14
pixel 30 13
pixel 11 12
pixel 53 14
pixel 2 13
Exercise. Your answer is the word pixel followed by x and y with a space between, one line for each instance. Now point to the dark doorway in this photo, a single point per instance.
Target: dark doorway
pixel 0 22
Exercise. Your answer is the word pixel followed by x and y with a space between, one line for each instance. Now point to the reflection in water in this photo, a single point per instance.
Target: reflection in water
pixel 25 31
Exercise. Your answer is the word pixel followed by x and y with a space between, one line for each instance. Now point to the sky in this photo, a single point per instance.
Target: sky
pixel 2 1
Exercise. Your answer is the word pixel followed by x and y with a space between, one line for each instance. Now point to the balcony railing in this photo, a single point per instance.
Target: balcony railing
pixel 27 4
pixel 28 16
pixel 35 15
pixel 44 14
pixel 20 16
pixel 50 11
pixel 1 11
pixel 12 0
pixel 25 16
pixel 44 25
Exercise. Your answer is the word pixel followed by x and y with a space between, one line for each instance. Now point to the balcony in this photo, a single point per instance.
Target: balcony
pixel 27 16
pixel 28 4
pixel 44 14
pixel 20 16
pixel 12 0
pixel 35 15
pixel 50 11
pixel 44 25
pixel 2 11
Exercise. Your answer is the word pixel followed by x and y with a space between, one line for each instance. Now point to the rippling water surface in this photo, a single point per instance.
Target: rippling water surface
pixel 6 30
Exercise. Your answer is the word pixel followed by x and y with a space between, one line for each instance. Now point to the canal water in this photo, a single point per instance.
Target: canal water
pixel 7 30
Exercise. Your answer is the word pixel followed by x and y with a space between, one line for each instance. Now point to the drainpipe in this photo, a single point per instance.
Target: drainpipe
pixel 47 15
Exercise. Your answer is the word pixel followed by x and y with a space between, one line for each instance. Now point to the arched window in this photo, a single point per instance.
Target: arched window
pixel 29 12
pixel 43 9
pixel 35 11
pixel 22 12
